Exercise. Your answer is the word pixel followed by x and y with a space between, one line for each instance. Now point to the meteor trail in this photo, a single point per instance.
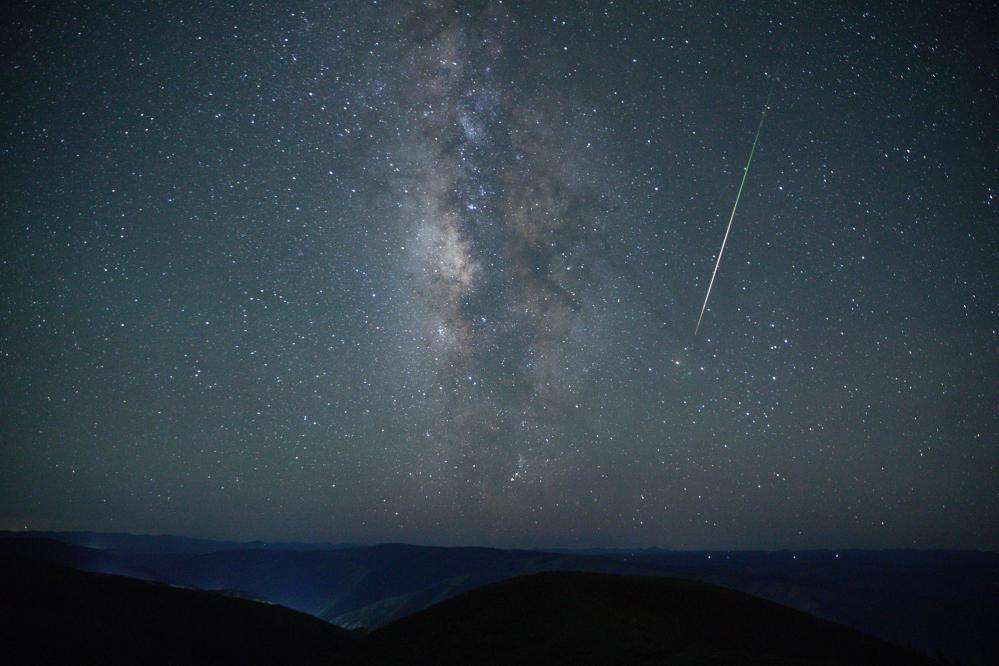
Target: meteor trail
pixel 745 173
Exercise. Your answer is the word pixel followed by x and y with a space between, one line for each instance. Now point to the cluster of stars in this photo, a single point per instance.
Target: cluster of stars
pixel 427 271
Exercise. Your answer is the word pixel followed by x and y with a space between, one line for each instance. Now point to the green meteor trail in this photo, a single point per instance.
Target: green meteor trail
pixel 728 229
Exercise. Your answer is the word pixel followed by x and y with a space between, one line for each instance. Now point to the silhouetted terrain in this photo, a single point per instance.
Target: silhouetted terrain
pixel 164 544
pixel 933 600
pixel 585 618
pixel 51 614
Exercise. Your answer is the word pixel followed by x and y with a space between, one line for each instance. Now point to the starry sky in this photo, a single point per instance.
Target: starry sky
pixel 430 271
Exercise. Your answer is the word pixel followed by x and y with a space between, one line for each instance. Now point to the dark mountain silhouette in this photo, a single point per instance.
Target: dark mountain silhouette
pixel 585 618
pixel 356 587
pixel 164 544
pixel 51 614
pixel 936 601
pixel 54 614
pixel 77 557
pixel 945 601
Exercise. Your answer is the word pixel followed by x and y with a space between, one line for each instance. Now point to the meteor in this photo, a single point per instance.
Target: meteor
pixel 728 229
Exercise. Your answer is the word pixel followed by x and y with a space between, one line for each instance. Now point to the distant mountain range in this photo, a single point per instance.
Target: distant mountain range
pixel 53 614
pixel 165 544
pixel 935 601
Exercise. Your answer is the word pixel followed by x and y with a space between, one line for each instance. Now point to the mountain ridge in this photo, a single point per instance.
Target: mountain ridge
pixel 936 601
pixel 587 618
pixel 552 617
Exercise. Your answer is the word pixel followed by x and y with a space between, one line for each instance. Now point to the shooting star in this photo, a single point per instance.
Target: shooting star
pixel 735 207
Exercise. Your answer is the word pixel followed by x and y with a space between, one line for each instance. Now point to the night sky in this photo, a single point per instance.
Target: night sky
pixel 429 272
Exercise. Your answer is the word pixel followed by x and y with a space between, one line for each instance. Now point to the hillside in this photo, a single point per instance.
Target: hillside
pixel 51 614
pixel 935 601
pixel 584 618
pixel 553 618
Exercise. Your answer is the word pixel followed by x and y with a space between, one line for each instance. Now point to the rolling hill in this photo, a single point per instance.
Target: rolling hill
pixel 51 614
pixel 935 601
pixel 587 618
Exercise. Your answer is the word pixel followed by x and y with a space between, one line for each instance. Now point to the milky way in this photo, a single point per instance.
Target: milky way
pixel 428 272
pixel 506 216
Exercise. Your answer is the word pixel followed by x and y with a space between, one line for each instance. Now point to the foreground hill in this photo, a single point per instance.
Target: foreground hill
pixel 50 614
pixel 584 618
pixel 936 601
pixel 361 587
